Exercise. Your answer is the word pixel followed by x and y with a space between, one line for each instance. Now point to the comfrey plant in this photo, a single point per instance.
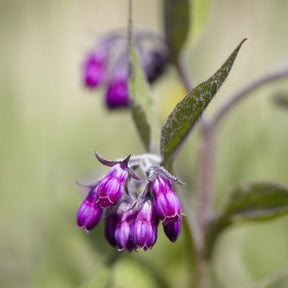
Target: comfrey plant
pixel 107 65
pixel 139 191
pixel 132 215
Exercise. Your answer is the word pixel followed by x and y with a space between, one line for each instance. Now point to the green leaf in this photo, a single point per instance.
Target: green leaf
pixel 187 112
pixel 100 280
pixel 176 23
pixel 249 202
pixel 281 99
pixel 257 201
pixel 142 108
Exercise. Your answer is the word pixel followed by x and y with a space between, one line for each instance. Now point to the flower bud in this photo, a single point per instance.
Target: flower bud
pixel 154 62
pixel 166 202
pixel 110 227
pixel 173 229
pixel 124 223
pixel 89 212
pixel 111 188
pixel 94 69
pixel 144 230
pixel 118 93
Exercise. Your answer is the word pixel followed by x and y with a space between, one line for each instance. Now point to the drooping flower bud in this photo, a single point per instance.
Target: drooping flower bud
pixel 123 235
pixel 173 229
pixel 110 227
pixel 111 188
pixel 154 63
pixel 94 68
pixel 118 93
pixel 167 204
pixel 89 212
pixel 144 230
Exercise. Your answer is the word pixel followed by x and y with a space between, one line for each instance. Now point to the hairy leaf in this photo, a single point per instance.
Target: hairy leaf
pixel 187 111
pixel 176 23
pixel 249 202
pixel 142 110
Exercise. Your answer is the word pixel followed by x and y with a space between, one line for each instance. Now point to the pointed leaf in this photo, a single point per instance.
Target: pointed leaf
pixel 186 112
pixel 249 202
pixel 142 110
pixel 176 23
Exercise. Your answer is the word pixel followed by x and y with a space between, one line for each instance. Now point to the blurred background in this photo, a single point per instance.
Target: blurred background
pixel 50 124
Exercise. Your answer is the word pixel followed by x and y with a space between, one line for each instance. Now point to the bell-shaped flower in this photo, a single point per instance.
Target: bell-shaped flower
pixel 118 92
pixel 110 227
pixel 166 202
pixel 123 235
pixel 144 230
pixel 89 212
pixel 94 68
pixel 111 188
pixel 173 229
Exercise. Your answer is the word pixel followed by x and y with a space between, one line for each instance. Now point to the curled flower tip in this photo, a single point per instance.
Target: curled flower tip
pixel 89 213
pixel 104 161
pixel 166 202
pixel 111 188
pixel 144 229
pixel 94 69
pixel 173 229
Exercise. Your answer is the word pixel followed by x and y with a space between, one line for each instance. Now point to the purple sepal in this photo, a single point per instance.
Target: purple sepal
pixel 113 162
pixel 111 188
pixel 166 202
pixel 123 235
pixel 173 229
pixel 144 230
pixel 117 95
pixel 94 69
pixel 89 213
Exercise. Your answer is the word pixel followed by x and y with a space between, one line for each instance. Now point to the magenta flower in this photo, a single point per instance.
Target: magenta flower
pixel 111 188
pixel 118 92
pixel 173 229
pixel 123 235
pixel 167 204
pixel 144 230
pixel 89 212
pixel 110 227
pixel 94 69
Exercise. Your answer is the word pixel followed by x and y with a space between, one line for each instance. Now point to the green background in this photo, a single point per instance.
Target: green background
pixel 50 124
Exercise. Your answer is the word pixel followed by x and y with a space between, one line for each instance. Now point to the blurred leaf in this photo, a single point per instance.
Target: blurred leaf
pixel 200 14
pixel 186 113
pixel 101 280
pixel 142 110
pixel 281 99
pixel 256 201
pixel 176 23
pixel 130 274
pixel 249 202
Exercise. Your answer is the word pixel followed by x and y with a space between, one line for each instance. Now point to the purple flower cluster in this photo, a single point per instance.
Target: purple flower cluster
pixel 132 217
pixel 107 65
